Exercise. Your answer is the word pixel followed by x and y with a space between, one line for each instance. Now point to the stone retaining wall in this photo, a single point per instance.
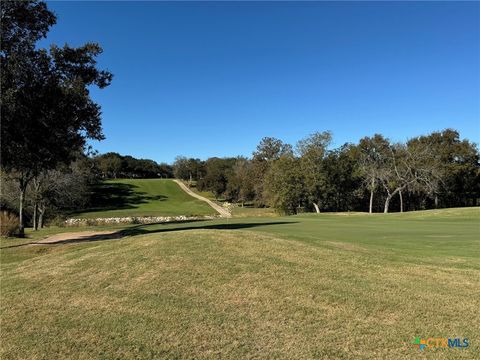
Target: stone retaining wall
pixel 134 220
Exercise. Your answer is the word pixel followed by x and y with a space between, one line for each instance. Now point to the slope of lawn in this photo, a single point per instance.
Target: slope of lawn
pixel 311 286
pixel 143 197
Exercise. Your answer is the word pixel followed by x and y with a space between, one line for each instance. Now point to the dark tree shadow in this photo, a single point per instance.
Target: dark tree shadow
pixel 118 196
pixel 153 229
pixel 143 230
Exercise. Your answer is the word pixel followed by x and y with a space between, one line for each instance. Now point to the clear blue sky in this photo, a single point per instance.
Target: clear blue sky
pixel 212 78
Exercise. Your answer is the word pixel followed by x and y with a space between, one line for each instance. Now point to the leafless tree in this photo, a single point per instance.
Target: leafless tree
pixel 411 166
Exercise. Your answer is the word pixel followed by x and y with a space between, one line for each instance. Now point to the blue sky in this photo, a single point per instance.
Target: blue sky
pixel 212 78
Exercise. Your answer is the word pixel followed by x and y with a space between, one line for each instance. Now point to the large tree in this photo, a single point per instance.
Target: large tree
pixel 373 155
pixel 53 191
pixel 241 182
pixel 411 166
pixel 217 173
pixel 46 109
pixel 267 152
pixel 459 168
pixel 285 186
pixel 312 151
pixel 342 187
pixel 110 164
pixel 188 169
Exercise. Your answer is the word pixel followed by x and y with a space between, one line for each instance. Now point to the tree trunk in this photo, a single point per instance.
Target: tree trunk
pixel 436 201
pixel 36 186
pixel 317 209
pixel 35 224
pixel 389 197
pixel 21 229
pixel 372 190
pixel 40 216
pixel 370 206
pixel 401 200
pixel 387 203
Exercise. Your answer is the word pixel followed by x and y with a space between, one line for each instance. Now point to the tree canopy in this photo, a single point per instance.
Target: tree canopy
pixel 46 109
pixel 435 170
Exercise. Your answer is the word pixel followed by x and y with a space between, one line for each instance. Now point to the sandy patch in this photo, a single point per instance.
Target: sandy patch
pixel 79 236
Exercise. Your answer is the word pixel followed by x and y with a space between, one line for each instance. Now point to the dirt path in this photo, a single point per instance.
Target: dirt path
pixel 223 212
pixel 78 236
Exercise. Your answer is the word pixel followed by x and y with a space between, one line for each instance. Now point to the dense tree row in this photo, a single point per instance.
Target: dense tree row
pixel 435 170
pixel 113 165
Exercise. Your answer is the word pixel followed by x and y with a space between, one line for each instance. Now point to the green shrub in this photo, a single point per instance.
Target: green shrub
pixel 9 224
pixel 58 220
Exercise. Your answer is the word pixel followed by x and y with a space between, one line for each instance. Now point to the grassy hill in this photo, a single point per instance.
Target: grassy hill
pixel 309 286
pixel 143 197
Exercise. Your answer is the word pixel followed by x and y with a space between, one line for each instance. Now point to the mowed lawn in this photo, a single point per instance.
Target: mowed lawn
pixel 143 197
pixel 312 286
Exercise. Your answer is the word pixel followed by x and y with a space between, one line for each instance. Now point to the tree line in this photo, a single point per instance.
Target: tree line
pixel 54 193
pixel 112 165
pixel 47 167
pixel 375 175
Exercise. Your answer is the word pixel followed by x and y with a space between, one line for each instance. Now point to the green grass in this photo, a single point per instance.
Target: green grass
pixel 143 197
pixel 250 211
pixel 310 286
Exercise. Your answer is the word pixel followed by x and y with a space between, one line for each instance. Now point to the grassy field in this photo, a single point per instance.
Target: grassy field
pixel 143 197
pixel 250 211
pixel 310 286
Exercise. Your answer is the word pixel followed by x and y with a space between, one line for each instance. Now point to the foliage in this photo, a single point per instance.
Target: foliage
pixel 188 169
pixel 434 170
pixel 9 223
pixel 371 156
pixel 217 173
pixel 58 221
pixel 241 182
pixel 46 109
pixel 312 151
pixel 458 166
pixel 113 165
pixel 51 193
pixel 342 185
pixel 285 185
pixel 270 149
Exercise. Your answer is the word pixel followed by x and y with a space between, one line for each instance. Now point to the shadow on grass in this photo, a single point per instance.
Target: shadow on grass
pixel 141 230
pixel 148 229
pixel 118 196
